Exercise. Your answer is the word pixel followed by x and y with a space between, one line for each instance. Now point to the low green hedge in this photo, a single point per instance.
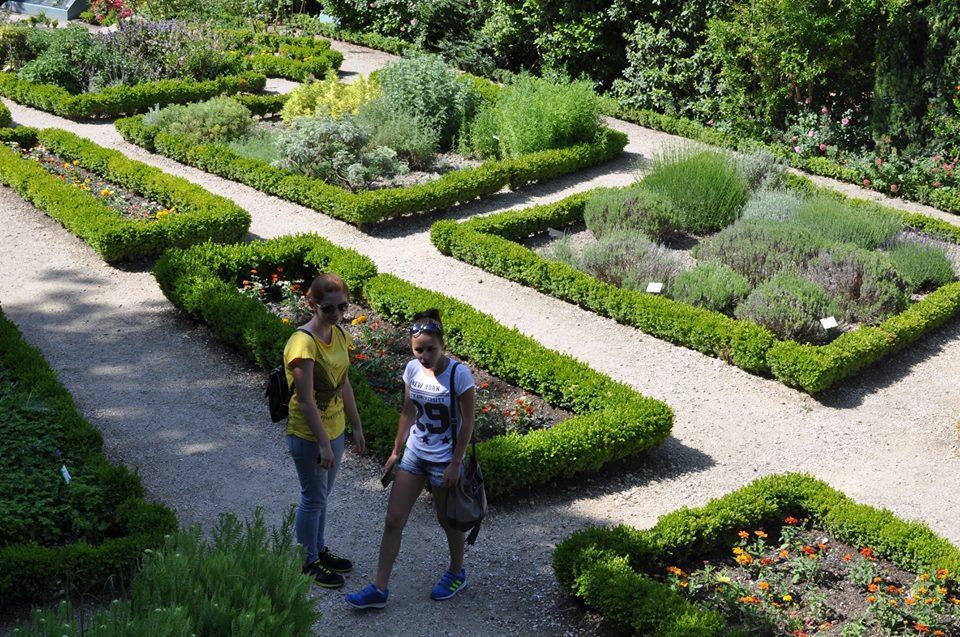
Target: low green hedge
pixel 490 243
pixel 455 187
pixel 30 572
pixel 123 100
pixel 290 57
pixel 6 118
pixel 611 420
pixel 201 216
pixel 313 26
pixel 609 568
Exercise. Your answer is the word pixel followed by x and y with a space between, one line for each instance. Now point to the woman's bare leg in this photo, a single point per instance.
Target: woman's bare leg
pixel 403 495
pixel 455 539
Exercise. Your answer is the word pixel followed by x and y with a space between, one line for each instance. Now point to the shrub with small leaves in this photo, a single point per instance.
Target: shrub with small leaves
pixel 771 205
pixel 220 119
pixel 922 266
pixel 336 151
pixel 836 221
pixel 711 285
pixel 629 259
pixel 864 284
pixel 636 208
pixel 706 186
pixel 762 169
pixel 329 96
pixel 413 139
pixel 790 307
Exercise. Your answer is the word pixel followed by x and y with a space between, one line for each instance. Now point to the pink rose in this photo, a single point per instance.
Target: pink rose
pixel 413 22
pixel 797 149
pixel 937 184
pixel 810 133
pixel 808 101
pixel 823 147
pixel 844 121
pixel 824 110
pixel 403 27
pixel 894 187
pixel 794 139
pixel 878 162
pixel 866 183
pixel 934 170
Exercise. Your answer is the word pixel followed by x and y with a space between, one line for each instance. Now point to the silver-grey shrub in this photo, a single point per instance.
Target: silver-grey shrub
pixel 220 119
pixel 629 259
pixel 771 205
pixel 923 266
pixel 762 169
pixel 413 138
pixel 865 284
pixel 790 307
pixel 711 285
pixel 337 151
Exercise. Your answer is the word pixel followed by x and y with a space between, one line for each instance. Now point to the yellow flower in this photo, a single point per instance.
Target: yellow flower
pixel 360 319
pixel 744 559
pixel 942 590
pixel 105 193
pixel 66 165
pixel 723 579
pixel 924 577
pixel 787 598
pixel 285 320
pixel 163 213
pixel 76 162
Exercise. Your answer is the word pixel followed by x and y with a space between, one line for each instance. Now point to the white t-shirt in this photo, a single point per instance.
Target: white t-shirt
pixel 431 436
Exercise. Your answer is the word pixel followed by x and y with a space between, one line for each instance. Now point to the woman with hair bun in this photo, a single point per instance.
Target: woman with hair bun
pixel 317 358
pixel 431 450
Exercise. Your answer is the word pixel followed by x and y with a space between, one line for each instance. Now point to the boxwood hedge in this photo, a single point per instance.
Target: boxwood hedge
pixel 491 243
pixel 611 421
pixel 609 568
pixel 31 572
pixel 455 187
pixel 201 216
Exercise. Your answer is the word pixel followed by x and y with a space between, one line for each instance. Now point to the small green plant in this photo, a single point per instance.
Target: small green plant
pixel 836 221
pixel 413 138
pixel 329 96
pixel 258 145
pixel 790 307
pixel 337 151
pixel 61 57
pixel 537 114
pixel 771 205
pixel 636 208
pixel 711 285
pixel 707 187
pixel 629 259
pixel 922 266
pixel 864 284
pixel 220 119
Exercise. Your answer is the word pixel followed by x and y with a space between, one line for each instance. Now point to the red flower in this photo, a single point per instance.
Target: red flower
pixel 809 550
pixel 792 520
pixel 866 183
pixel 867 553
pixel 894 187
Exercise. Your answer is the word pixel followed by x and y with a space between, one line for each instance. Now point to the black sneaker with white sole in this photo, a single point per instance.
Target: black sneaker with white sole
pixel 334 562
pixel 323 576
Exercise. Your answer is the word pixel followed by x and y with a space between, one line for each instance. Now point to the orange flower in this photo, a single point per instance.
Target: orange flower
pixel 877 580
pixel 808 550
pixel 749 599
pixel 942 573
pixel 867 553
pixel 939 633
pixel 791 520
pixel 822 547
pixel 871 598
pixel 892 589
pixel 486 409
pixel 847 557
pixel 673 570
pixel 873 588
pixel 360 357
pixel 743 535
pixel 766 561
pixel 744 559
pixel 784 553
pixel 764 586
pixel 484 385
pixel 921 628
pixel 909 601
pixel 760 534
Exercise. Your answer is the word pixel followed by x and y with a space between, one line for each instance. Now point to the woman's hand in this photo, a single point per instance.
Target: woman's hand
pixel 359 442
pixel 451 475
pixel 392 460
pixel 325 459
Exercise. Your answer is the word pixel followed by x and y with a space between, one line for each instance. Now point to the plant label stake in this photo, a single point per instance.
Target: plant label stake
pixel 654 287
pixel 65 473
pixel 554 233
pixel 829 323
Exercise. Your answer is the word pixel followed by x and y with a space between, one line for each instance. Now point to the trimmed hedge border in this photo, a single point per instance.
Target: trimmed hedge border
pixel 201 216
pixel 607 568
pixel 611 421
pixel 313 26
pixel 123 100
pixel 292 57
pixel 6 118
pixel 456 187
pixel 490 243
pixel 33 573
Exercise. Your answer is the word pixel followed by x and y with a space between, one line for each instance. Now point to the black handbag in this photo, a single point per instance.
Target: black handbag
pixel 466 502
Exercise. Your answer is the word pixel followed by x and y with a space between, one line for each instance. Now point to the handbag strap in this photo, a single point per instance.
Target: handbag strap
pixel 454 421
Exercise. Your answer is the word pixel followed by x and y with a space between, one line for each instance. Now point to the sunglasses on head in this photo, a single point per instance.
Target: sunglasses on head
pixel 329 308
pixel 425 328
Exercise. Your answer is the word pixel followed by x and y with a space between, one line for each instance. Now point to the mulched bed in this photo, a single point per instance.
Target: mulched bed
pixel 129 204
pixel 806 583
pixel 383 350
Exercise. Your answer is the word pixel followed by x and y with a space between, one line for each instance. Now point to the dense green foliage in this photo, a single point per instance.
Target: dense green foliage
pixel 634 208
pixel 923 267
pixel 201 216
pixel 611 421
pixel 215 120
pixel 789 306
pixel 243 581
pixel 54 534
pixel 711 285
pixel 610 568
pixel 832 220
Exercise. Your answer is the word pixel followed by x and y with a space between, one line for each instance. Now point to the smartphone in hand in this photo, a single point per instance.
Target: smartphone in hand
pixel 388 476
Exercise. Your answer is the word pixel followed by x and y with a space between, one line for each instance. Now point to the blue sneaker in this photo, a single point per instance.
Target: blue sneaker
pixel 370 597
pixel 449 585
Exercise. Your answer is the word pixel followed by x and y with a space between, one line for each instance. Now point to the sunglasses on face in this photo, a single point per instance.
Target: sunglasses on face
pixel 424 328
pixel 328 309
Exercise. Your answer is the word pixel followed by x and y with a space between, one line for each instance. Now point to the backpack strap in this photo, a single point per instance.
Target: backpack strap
pixel 453 400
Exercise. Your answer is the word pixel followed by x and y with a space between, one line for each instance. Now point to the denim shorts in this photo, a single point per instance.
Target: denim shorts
pixel 412 463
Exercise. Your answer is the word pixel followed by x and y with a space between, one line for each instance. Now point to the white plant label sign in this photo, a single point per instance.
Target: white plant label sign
pixel 65 473
pixel 654 287
pixel 829 323
pixel 554 233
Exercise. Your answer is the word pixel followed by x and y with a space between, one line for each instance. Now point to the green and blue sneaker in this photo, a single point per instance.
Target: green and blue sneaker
pixel 449 585
pixel 370 597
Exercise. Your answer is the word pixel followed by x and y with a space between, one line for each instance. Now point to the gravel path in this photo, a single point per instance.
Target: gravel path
pixel 188 414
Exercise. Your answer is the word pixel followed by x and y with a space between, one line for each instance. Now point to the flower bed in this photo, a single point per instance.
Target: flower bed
pixel 492 243
pixel 83 75
pixel 93 216
pixel 655 582
pixel 610 420
pixel 54 534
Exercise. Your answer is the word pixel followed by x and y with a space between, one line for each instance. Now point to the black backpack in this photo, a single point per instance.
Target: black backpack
pixel 278 392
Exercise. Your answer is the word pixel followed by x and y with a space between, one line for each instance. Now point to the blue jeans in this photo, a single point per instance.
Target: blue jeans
pixel 315 486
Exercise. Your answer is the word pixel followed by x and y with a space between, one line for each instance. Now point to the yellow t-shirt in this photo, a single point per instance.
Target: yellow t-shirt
pixel 329 369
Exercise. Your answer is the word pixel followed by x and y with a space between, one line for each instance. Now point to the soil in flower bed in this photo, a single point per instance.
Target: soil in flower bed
pixel 383 350
pixel 806 583
pixel 127 203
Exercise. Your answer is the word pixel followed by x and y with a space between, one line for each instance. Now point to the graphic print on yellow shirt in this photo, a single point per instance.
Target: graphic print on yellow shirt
pixel 329 373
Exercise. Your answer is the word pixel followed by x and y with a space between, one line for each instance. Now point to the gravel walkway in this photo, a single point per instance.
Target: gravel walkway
pixel 188 414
